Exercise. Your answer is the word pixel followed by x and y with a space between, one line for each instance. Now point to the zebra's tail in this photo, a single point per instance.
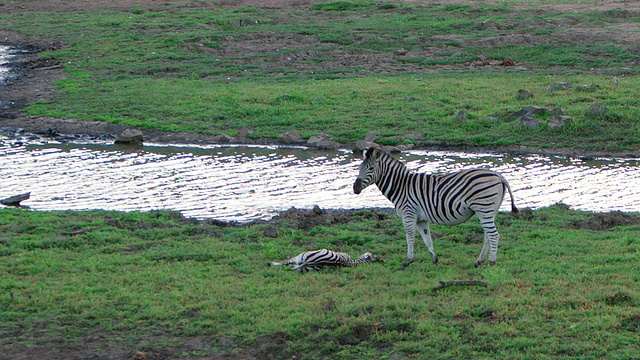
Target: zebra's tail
pixel 514 209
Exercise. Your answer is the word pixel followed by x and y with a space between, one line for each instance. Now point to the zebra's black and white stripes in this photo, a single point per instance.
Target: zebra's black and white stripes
pixel 446 199
pixel 318 259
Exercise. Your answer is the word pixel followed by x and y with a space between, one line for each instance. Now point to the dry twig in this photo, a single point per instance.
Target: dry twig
pixel 444 284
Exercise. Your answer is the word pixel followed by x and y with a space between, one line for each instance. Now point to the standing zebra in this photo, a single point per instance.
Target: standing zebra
pixel 317 259
pixel 447 199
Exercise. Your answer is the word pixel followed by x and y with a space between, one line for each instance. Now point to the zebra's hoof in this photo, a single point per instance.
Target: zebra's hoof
pixel 435 259
pixel 492 263
pixel 406 264
pixel 478 263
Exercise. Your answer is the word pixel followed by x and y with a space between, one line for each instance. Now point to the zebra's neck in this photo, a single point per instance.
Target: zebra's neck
pixel 358 261
pixel 393 174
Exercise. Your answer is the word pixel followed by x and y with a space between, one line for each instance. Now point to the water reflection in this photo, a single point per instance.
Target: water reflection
pixel 5 55
pixel 248 183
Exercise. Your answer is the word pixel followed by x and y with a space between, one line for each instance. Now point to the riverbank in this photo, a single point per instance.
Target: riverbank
pixel 33 84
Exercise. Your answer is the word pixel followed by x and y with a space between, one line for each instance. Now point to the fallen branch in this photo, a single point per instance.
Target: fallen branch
pixel 444 284
pixel 15 200
pixel 49 67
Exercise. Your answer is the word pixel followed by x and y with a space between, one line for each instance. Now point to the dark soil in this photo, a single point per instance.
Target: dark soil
pixel 33 81
pixel 606 221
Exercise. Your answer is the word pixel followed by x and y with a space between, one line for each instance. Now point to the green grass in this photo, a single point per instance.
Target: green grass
pixel 153 278
pixel 180 69
pixel 350 108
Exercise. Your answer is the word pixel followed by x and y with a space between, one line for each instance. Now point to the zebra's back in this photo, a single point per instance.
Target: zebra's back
pixel 450 199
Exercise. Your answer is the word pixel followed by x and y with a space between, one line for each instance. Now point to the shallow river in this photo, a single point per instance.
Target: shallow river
pixel 250 183
pixel 5 56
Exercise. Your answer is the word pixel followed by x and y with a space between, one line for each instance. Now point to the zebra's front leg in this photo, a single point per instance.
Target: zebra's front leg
pixel 410 230
pixel 423 228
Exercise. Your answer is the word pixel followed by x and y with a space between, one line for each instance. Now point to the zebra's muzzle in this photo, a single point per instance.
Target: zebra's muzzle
pixel 357 186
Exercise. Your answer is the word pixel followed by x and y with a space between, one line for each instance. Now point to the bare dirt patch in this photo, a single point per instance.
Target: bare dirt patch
pixel 606 221
pixel 32 76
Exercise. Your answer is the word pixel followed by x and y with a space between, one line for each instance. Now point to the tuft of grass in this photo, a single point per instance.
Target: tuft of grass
pixel 341 5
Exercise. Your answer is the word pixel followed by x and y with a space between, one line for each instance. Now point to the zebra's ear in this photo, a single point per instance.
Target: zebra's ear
pixel 373 153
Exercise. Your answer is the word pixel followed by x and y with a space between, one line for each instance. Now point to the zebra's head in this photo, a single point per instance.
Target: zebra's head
pixel 368 170
pixel 366 257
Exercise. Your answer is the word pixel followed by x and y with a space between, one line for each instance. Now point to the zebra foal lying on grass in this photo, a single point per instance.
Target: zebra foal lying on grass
pixel 318 259
pixel 445 199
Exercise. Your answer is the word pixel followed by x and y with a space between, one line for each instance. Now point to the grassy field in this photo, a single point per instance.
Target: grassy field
pixel 334 67
pixel 157 283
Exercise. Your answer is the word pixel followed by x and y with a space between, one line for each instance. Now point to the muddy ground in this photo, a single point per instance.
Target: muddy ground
pixel 33 81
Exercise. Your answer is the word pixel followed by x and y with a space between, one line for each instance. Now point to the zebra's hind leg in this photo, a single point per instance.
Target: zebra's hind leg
pixel 301 267
pixel 297 260
pixel 423 228
pixel 483 253
pixel 491 239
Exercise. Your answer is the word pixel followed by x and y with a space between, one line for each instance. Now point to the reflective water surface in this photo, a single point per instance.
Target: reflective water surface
pixel 250 183
pixel 5 56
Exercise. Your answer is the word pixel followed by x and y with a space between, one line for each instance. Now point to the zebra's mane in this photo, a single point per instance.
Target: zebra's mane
pixel 378 154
